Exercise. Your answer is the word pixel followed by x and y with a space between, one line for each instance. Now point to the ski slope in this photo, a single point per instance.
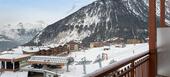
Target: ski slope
pixel 114 53
pixel 76 70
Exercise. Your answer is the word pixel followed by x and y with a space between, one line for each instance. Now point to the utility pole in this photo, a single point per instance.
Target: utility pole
pixel 68 67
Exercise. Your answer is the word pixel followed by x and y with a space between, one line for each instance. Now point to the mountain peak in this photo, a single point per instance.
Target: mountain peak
pixel 104 18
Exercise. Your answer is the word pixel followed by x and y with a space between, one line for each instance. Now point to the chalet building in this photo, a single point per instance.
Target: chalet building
pixel 73 46
pixel 96 44
pixel 55 61
pixel 12 62
pixel 118 41
pixel 44 52
pixel 31 50
pixel 59 49
pixel 56 50
pixel 134 41
pixel 107 43
pixel 47 52
pixel 47 65
pixel 122 45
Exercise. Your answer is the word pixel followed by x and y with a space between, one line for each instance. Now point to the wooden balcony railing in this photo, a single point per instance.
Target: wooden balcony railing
pixel 135 66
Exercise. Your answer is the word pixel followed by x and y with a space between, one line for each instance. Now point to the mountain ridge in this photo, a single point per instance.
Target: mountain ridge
pixel 15 35
pixel 99 21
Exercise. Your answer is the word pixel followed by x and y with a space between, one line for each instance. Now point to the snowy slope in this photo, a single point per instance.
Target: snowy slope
pixel 17 32
pixel 116 54
pixel 100 20
pixel 14 74
pixel 76 69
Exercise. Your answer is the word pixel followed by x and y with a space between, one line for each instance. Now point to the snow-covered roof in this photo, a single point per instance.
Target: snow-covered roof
pixel 48 60
pixel 7 52
pixel 13 56
pixel 33 49
pixel 30 49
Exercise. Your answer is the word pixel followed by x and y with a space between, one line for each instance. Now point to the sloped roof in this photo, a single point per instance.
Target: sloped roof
pixel 13 57
pixel 54 60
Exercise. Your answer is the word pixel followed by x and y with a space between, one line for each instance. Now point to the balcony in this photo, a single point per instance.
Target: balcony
pixel 136 66
pixel 147 64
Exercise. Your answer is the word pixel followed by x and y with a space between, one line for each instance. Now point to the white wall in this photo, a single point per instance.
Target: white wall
pixel 163 44
pixel 0 65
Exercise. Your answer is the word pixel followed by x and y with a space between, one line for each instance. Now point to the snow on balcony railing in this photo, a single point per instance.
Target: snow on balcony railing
pixel 135 66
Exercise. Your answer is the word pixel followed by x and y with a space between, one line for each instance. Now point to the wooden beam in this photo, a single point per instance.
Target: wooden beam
pixel 162 13
pixel 152 39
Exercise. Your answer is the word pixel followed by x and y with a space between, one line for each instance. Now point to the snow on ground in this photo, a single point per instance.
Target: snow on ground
pixel 14 74
pixel 76 70
pixel 114 53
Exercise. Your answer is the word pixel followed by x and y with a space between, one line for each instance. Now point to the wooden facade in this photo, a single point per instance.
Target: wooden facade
pixel 134 41
pixel 96 44
pixel 119 41
pixel 53 51
pixel 26 52
pixel 73 46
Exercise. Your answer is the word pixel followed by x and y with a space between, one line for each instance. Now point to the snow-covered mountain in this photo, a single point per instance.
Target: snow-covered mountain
pixel 100 20
pixel 7 43
pixel 14 35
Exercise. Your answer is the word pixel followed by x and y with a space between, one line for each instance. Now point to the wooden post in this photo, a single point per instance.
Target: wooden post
pixel 152 39
pixel 5 65
pixel 162 13
pixel 133 70
pixel 13 66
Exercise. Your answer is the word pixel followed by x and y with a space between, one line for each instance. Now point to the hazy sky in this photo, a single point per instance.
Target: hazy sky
pixel 29 11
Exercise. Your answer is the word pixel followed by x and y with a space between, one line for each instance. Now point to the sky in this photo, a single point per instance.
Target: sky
pixel 30 11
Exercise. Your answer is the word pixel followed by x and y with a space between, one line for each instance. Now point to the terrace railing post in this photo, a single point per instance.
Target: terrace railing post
pixel 133 69
pixel 126 68
pixel 152 39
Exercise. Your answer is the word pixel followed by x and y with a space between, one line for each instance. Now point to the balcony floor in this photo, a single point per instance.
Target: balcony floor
pixel 161 76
